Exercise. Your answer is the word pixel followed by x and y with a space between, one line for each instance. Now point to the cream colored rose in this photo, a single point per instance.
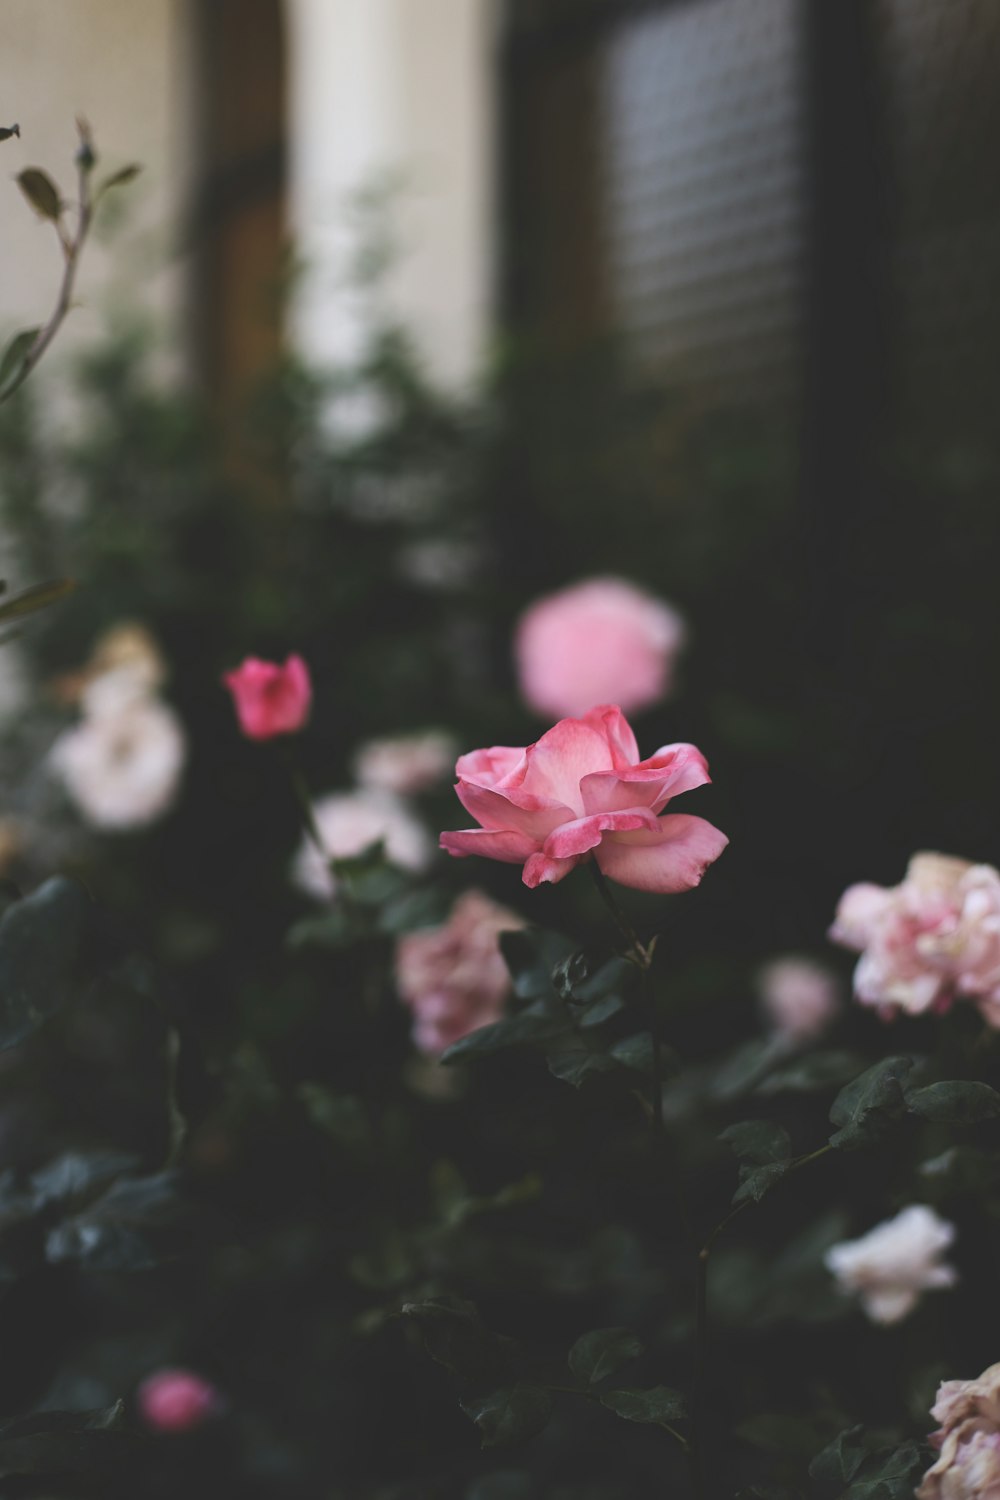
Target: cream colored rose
pixel 890 1266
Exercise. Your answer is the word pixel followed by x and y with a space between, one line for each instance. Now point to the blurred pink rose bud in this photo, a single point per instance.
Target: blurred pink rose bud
pixel 409 763
pixel 453 977
pixel 581 792
pixel 890 1266
pixel 928 941
pixel 600 641
pixel 798 997
pixel 968 1463
pixel 176 1400
pixel 270 699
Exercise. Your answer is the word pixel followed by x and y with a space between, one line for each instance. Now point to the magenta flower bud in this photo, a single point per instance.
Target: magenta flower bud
pixel 270 699
pixel 177 1400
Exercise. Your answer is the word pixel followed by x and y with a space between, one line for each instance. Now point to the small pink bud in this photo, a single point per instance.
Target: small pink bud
pixel 270 699
pixel 176 1401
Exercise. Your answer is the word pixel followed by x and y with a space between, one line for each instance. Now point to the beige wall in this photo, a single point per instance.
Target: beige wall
pixel 402 90
pixel 120 64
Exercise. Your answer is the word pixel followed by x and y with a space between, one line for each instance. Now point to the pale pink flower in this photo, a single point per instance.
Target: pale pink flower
pixel 928 941
pixel 581 791
pixel 600 641
pixel 407 763
pixel 177 1400
pixel 798 997
pixel 270 699
pixel 891 1265
pixel 968 1465
pixel 121 765
pixel 349 823
pixel 453 977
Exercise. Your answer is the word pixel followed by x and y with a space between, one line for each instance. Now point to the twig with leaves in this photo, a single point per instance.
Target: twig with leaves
pixel 27 348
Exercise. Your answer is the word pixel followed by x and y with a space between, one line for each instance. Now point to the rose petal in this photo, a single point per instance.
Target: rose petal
pixel 577 837
pixel 533 816
pixel 609 721
pixel 674 858
pixel 505 844
pixel 556 764
pixel 540 868
pixel 672 770
pixel 487 767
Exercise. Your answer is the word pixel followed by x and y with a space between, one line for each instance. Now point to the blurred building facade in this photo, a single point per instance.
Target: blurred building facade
pixel 767 197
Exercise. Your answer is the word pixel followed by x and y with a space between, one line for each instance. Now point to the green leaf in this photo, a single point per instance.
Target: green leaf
pixel 525 1029
pixel 60 1443
pixel 79 1173
pixel 635 1052
pixel 812 1073
pixel 756 1181
pixel 837 1464
pixel 599 1353
pixel 425 907
pixel 338 928
pixel 743 1069
pixel 573 1061
pixel 41 938
pixel 658 1405
pixel 955 1102
pixel 455 1336
pixel 868 1107
pixel 889 1474
pixel 41 192
pixel 13 357
pixel 766 1151
pixel 39 596
pixel 531 953
pixel 759 1141
pixel 119 178
pixel 369 878
pixel 597 1011
pixel 118 1231
pixel 510 1415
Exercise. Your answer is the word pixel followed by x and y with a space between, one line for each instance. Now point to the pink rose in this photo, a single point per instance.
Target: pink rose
pixel 453 977
pixel 177 1400
pixel 798 997
pixel 270 699
pixel 601 641
pixel 582 791
pixel 928 941
pixel 968 1464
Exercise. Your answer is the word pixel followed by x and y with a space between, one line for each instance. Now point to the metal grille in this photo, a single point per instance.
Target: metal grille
pixel 703 200
pixel 941 70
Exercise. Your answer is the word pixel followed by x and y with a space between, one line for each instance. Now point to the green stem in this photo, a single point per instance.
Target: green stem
pixel 303 800
pixel 176 1122
pixel 637 954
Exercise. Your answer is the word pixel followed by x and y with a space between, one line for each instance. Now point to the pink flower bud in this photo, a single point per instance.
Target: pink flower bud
pixel 176 1401
pixel 270 699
